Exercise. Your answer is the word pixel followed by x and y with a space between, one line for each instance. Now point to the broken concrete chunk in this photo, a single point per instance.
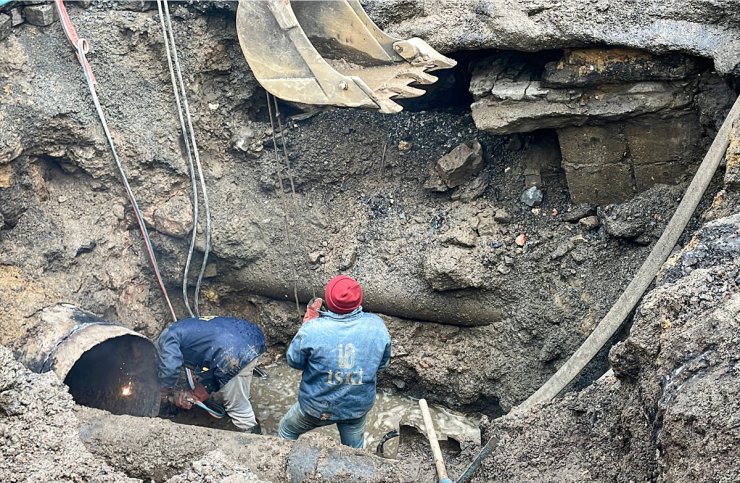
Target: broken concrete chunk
pixel 16 17
pixel 589 222
pixel 458 166
pixel 472 189
pixel 41 15
pixel 6 25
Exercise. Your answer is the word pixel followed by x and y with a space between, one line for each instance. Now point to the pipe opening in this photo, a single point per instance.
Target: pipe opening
pixel 118 375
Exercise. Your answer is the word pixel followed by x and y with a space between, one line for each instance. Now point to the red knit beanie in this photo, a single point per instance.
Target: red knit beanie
pixel 343 294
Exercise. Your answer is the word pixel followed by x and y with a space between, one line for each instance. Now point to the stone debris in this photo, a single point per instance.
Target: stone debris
pixel 40 15
pixel 577 212
pixel 456 167
pixel 590 222
pixel 16 16
pixel 460 236
pixel 562 250
pixel 532 197
pixel 638 219
pixel 472 189
pixel 6 25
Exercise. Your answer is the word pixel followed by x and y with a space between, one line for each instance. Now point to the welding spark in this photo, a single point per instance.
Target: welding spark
pixel 126 390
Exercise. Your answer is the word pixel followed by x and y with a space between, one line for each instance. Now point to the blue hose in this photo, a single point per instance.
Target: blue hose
pixel 4 2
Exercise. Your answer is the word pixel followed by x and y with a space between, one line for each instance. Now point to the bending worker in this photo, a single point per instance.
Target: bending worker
pixel 222 352
pixel 340 352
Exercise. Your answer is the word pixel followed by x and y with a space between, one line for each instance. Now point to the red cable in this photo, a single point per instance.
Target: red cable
pixel 81 48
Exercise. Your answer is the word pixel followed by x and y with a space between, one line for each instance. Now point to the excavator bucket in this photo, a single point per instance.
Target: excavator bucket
pixel 329 52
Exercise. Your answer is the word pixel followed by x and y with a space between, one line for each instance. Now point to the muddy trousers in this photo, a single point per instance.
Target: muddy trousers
pixel 236 398
pixel 296 422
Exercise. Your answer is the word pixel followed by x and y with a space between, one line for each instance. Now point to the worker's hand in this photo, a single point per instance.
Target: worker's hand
pixel 183 399
pixel 166 394
pixel 200 393
pixel 312 310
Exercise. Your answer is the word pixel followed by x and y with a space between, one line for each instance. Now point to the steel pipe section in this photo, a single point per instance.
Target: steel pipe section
pixel 105 366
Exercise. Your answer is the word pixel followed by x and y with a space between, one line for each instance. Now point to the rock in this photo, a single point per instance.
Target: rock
pixel 243 138
pixel 16 17
pixel 521 239
pixel 457 166
pixel 452 268
pixel 6 25
pixel 174 217
pixel 577 212
pixel 532 197
pixel 314 257
pixel 348 258
pixel 589 222
pixel 472 189
pixel 486 225
pixel 41 15
pixel 562 250
pixel 502 216
pixel 639 219
pixel 404 146
pixel 460 236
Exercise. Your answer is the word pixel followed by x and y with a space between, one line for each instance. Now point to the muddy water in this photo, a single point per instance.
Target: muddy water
pixel 273 396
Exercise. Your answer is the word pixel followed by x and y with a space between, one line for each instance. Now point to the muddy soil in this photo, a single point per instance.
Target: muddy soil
pixel 485 296
pixel 360 207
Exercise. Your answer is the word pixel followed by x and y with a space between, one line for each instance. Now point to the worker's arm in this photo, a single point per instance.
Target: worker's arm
pixel 297 354
pixel 170 358
pixel 386 356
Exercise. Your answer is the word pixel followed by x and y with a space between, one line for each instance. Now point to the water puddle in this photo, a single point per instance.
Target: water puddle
pixel 274 395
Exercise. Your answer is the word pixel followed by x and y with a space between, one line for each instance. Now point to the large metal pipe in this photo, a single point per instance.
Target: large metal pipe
pixel 105 366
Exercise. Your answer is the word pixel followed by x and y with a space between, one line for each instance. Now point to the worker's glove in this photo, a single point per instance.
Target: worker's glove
pixel 183 399
pixel 199 393
pixel 312 310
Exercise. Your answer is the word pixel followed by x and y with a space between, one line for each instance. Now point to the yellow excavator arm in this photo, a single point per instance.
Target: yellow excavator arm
pixel 329 52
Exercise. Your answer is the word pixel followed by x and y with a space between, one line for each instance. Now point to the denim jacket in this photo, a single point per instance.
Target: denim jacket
pixel 340 356
pixel 221 345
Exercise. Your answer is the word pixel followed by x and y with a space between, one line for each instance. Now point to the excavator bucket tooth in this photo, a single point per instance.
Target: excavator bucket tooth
pixel 329 52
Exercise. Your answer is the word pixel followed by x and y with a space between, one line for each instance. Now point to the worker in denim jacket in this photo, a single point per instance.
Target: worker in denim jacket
pixel 222 353
pixel 340 352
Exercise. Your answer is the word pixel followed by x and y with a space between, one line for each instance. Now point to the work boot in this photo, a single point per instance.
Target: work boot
pixel 256 429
